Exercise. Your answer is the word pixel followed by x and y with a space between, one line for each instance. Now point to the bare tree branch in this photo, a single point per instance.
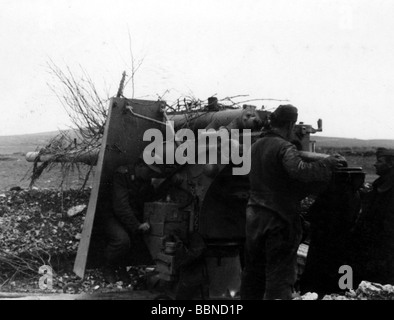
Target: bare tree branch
pixel 87 112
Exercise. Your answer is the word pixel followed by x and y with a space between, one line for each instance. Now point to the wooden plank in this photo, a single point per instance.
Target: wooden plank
pixel 122 144
pixel 83 248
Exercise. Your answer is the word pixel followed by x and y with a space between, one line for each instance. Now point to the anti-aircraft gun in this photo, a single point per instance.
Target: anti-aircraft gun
pixel 199 214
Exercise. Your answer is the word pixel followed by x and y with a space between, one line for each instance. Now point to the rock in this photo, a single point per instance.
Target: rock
pixel 306 296
pixel 75 210
pixel 310 296
pixel 351 294
pixel 375 291
pixel 16 188
pixel 34 192
pixel 18 201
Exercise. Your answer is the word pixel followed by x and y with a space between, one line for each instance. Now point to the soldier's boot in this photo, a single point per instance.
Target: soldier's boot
pixel 124 276
pixel 109 274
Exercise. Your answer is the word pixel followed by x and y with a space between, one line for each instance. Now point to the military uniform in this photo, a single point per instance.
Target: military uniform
pixel 374 236
pixel 278 178
pixel 121 227
pixel 332 218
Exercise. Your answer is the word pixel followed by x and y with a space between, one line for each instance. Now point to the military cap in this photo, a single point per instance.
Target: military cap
pixel 384 152
pixel 286 112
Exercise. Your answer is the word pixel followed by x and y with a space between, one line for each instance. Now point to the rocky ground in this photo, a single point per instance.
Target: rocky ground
pixel 41 228
pixel 365 291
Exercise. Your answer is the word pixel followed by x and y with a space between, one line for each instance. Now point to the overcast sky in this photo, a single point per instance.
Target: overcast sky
pixel 332 59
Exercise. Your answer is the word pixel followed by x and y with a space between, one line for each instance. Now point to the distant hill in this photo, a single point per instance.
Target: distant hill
pixel 331 142
pixel 29 142
pixel 25 142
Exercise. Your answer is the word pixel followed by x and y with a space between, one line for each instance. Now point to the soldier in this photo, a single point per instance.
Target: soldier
pixel 374 233
pixel 124 226
pixel 277 178
pixel 332 217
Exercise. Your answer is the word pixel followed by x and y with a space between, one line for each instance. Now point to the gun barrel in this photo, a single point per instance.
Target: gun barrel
pixel 87 157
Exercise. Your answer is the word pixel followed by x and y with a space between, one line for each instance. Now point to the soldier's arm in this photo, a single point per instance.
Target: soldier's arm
pixel 317 171
pixel 122 205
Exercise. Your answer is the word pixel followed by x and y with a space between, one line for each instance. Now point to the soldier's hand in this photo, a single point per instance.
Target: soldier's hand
pixel 337 160
pixel 144 227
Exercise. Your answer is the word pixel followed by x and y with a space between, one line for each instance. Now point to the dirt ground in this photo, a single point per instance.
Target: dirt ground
pixel 15 171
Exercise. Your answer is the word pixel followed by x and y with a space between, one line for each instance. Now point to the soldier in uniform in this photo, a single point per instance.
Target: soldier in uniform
pixel 277 178
pixel 332 218
pixel 124 226
pixel 374 234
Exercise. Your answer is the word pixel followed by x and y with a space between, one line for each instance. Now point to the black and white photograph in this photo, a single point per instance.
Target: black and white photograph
pixel 196 154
